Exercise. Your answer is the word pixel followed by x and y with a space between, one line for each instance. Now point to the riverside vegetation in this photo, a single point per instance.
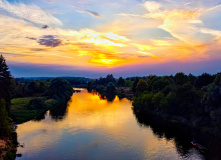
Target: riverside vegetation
pixel 109 87
pixel 188 100
pixel 182 99
pixel 21 102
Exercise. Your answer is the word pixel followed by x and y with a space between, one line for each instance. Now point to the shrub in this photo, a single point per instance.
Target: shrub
pixel 37 103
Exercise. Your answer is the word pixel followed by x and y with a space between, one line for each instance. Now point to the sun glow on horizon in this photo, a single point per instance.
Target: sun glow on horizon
pixel 156 32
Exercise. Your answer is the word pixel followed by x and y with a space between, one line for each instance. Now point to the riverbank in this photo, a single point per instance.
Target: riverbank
pixel 8 146
pixel 183 134
pixel 178 121
pixel 22 112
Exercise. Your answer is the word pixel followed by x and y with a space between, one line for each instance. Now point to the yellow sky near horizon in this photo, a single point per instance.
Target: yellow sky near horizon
pixel 156 32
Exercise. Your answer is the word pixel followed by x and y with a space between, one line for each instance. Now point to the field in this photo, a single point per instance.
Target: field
pixel 21 113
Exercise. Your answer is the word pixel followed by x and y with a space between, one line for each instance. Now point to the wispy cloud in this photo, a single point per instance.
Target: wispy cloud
pixel 211 32
pixel 149 32
pixel 94 14
pixel 213 8
pixel 31 13
pixel 131 15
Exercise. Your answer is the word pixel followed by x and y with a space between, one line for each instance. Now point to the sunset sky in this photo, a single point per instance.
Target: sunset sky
pixel 125 37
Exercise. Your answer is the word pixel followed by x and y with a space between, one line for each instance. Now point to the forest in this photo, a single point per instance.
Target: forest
pixel 184 99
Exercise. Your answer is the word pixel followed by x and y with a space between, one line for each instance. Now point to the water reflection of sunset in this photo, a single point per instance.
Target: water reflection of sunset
pixel 93 124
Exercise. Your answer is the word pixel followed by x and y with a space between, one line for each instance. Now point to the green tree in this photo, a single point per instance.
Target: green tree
pixel 167 104
pixel 181 78
pixel 204 80
pixel 160 84
pixel 135 85
pixel 157 98
pixel 36 103
pixel 217 80
pixel 60 90
pixel 187 98
pixel 33 86
pixel 192 79
pixel 111 89
pixel 5 82
pixel 110 78
pixel 121 82
pixel 146 99
pixel 128 83
pixel 141 86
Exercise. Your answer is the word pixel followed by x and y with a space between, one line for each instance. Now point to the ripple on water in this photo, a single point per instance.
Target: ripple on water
pixel 93 128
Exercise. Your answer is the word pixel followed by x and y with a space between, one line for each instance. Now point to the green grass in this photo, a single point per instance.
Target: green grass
pixel 20 103
pixel 21 113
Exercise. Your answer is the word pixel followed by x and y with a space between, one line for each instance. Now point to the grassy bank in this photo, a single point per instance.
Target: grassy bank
pixel 21 112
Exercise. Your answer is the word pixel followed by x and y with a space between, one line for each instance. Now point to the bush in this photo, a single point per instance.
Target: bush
pixel 37 103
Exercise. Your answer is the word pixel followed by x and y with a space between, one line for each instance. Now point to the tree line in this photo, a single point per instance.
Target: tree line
pixel 187 99
pixel 190 100
pixel 56 91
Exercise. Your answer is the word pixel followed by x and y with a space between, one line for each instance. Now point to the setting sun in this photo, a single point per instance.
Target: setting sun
pixel 81 35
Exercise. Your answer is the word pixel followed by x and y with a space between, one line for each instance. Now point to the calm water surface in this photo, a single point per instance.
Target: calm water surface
pixel 92 128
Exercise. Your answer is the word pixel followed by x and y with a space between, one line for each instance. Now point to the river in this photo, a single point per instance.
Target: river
pixel 93 128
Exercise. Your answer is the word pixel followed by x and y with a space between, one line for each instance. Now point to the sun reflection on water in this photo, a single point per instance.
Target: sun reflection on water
pixel 93 128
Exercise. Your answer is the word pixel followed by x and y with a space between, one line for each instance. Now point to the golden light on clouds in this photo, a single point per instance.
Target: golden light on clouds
pixel 155 31
pixel 143 47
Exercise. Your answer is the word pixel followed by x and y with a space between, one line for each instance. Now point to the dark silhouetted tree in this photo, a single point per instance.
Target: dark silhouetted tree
pixel 111 91
pixel 60 90
pixel 141 86
pixel 110 78
pixel 135 84
pixel 181 78
pixel 121 82
pixel 5 82
pixel 4 125
pixel 204 80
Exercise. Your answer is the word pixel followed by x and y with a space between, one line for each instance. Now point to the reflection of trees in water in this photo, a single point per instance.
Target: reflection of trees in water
pixel 182 135
pixel 58 113
pixel 108 97
pixel 40 117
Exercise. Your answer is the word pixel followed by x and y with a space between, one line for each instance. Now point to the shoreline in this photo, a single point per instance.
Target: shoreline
pixel 174 121
pixel 8 146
